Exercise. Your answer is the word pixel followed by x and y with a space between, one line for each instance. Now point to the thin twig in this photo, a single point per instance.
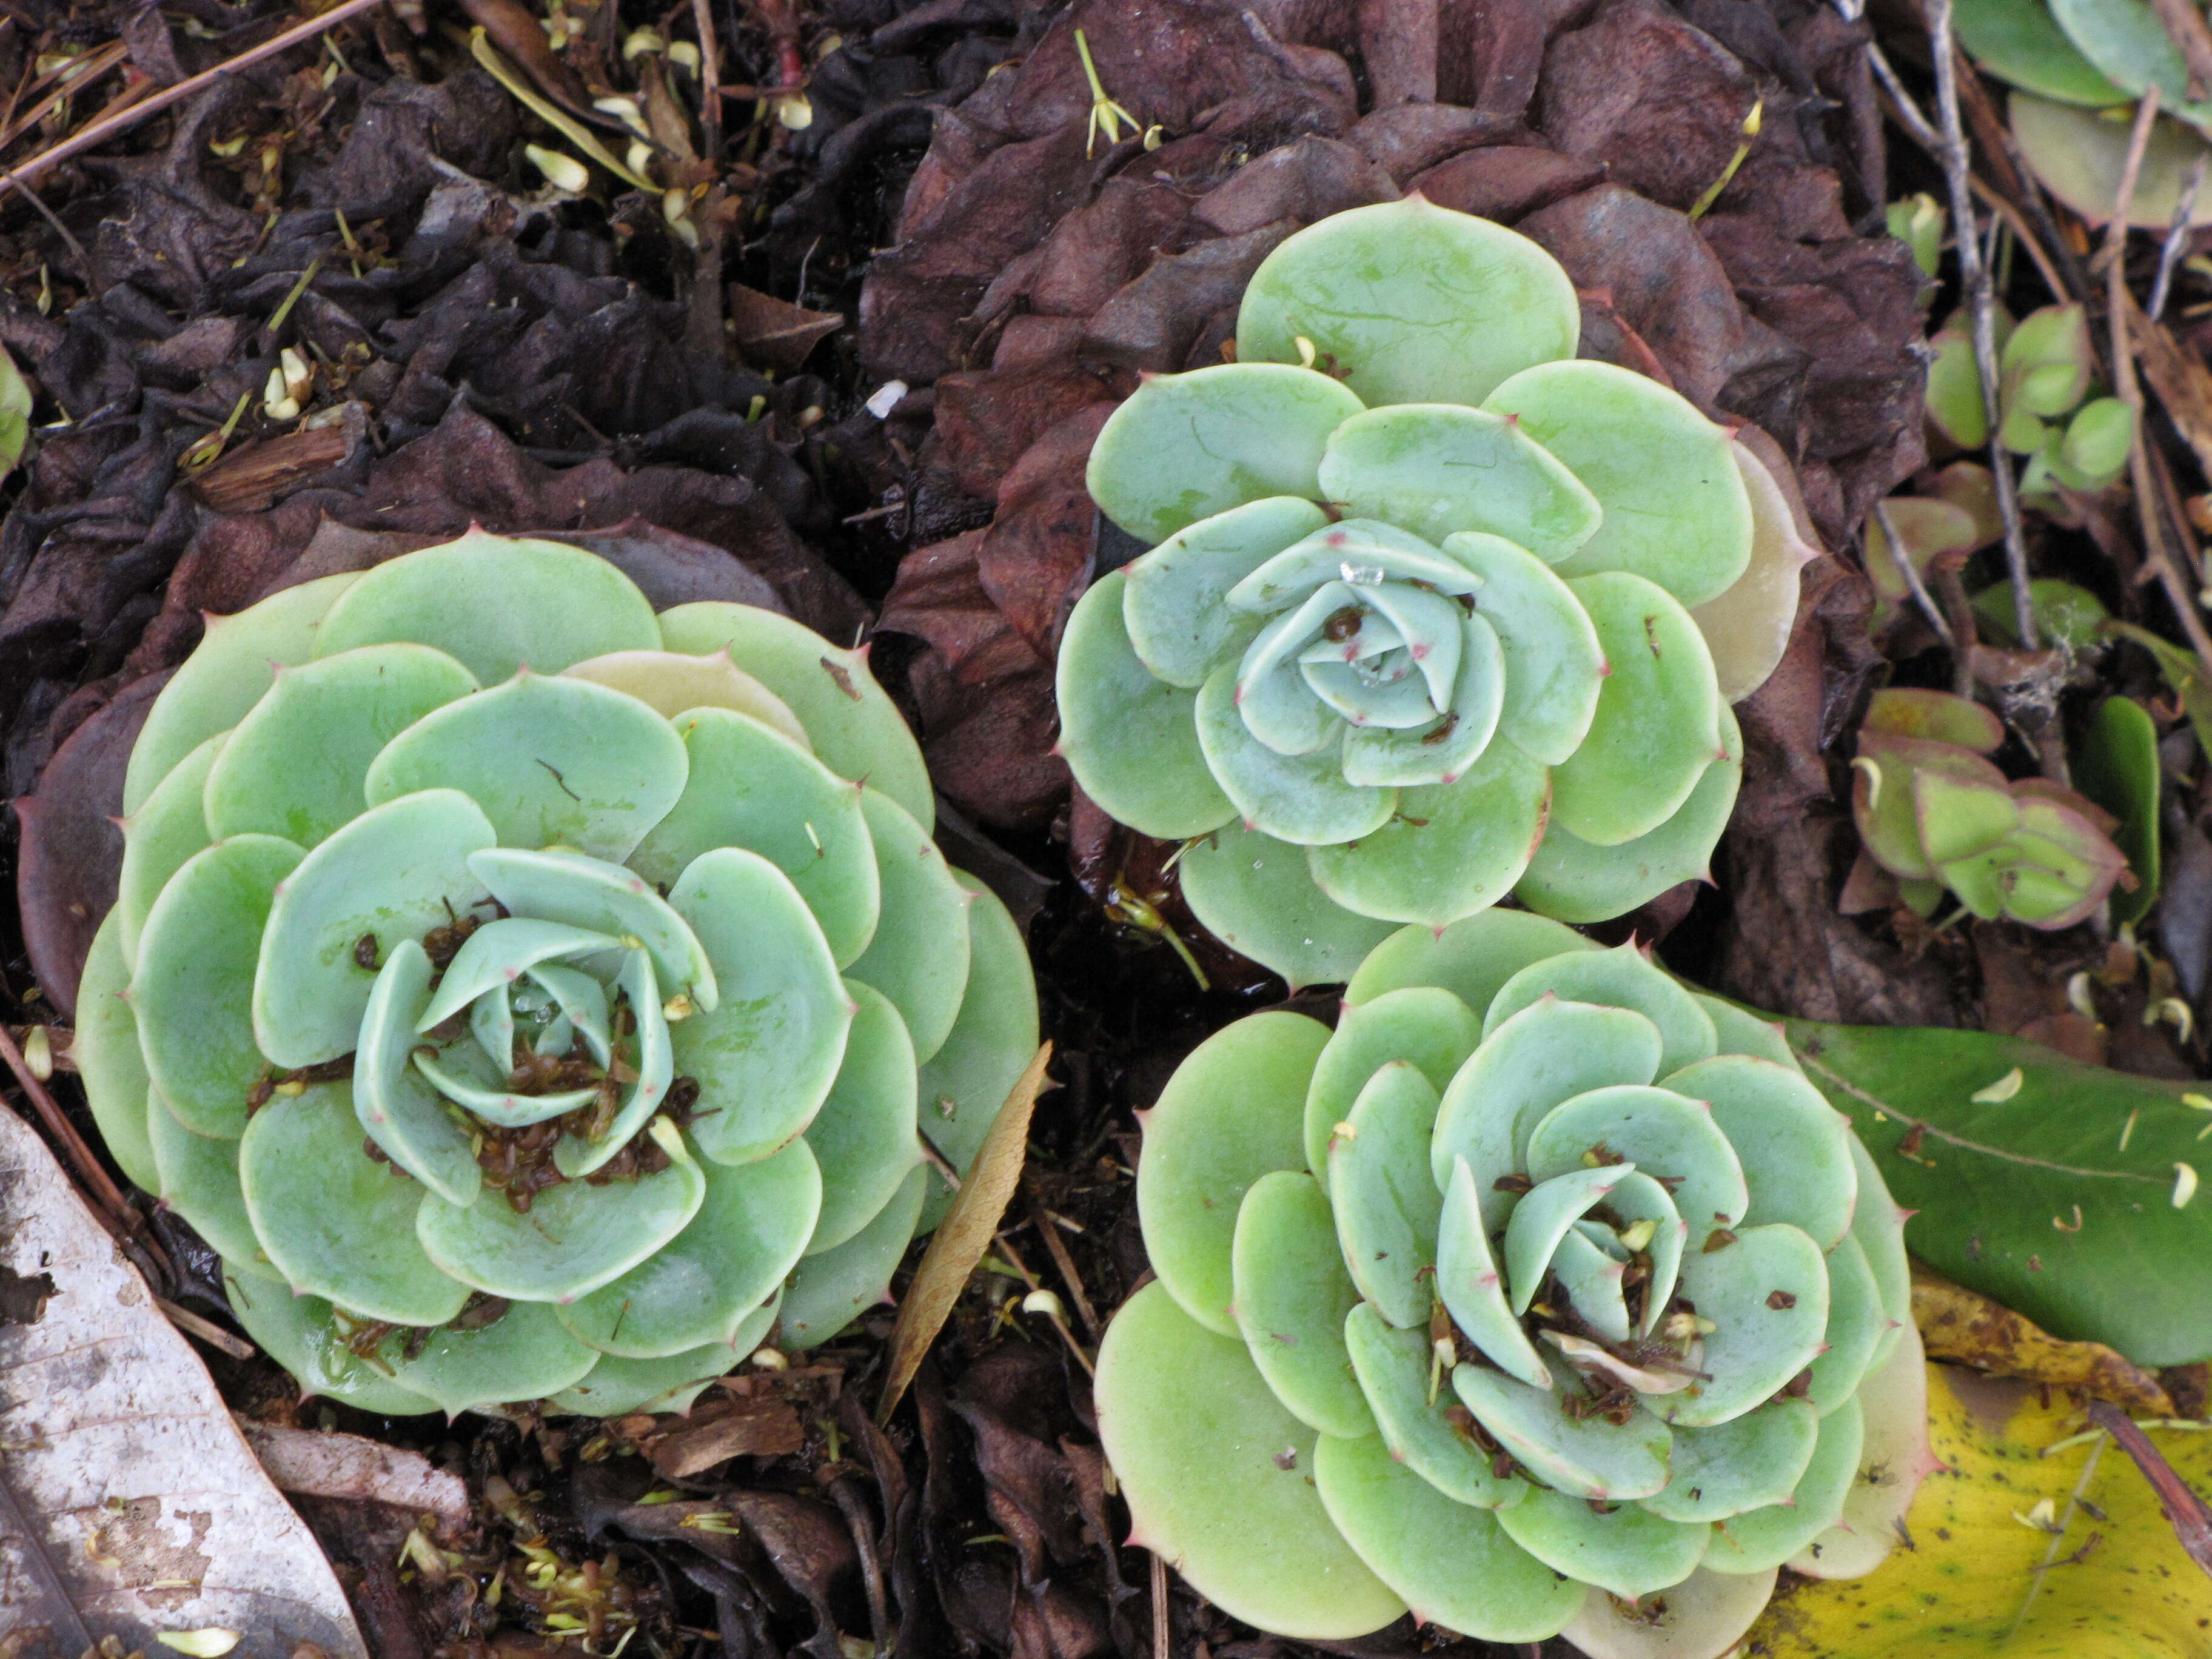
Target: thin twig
pixel 710 79
pixel 206 1329
pixel 2184 1510
pixel 1159 1607
pixel 121 1218
pixel 101 131
pixel 1921 596
pixel 1906 114
pixel 2059 1536
pixel 1981 298
pixel 1066 1263
pixel 2176 240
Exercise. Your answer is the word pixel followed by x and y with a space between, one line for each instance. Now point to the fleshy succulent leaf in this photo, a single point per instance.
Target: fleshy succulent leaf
pixel 108 1057
pixel 1412 302
pixel 1619 978
pixel 827 1292
pixel 1554 663
pixel 1746 1463
pixel 1386 1207
pixel 1628 1551
pixel 1472 1290
pixel 1422 1428
pixel 169 826
pixel 1676 510
pixel 1291 1296
pixel 1447 849
pixel 1257 895
pixel 1186 446
pixel 1430 1028
pixel 1585 1457
pixel 1437 468
pixel 866 1136
pixel 1794 1147
pixel 1173 606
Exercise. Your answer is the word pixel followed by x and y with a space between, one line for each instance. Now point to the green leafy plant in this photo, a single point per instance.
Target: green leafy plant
pixel 1542 1295
pixel 1934 812
pixel 532 997
pixel 1435 612
pixel 2046 369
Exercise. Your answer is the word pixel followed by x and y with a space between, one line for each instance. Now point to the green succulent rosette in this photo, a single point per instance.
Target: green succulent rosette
pixel 1542 1295
pixel 532 997
pixel 1432 613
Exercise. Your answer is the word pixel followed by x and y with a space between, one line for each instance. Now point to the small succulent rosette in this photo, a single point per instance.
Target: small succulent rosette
pixel 534 998
pixel 1935 813
pixel 1432 613
pixel 1544 1295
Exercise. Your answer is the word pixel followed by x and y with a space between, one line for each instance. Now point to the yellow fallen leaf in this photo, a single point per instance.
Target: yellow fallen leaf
pixel 2111 1582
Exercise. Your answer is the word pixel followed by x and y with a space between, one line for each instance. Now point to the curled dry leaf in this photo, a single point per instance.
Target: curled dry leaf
pixel 356 1469
pixel 964 1234
pixel 133 1505
pixel 1967 1328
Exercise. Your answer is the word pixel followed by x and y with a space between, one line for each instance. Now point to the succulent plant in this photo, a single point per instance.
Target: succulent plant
pixel 532 997
pixel 2046 369
pixel 1424 593
pixel 1934 812
pixel 1543 1294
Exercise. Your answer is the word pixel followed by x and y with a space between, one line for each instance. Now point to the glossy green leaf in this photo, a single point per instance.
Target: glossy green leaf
pixel 1186 446
pixel 1219 1477
pixel 193 992
pixel 1291 1296
pixel 1257 895
pixel 1412 302
pixel 705 1283
pixel 1437 468
pixel 2020 41
pixel 1454 1565
pixel 2117 766
pixel 296 763
pixel 1676 511
pixel 856 730
pixel 1132 739
pixel 394 872
pixel 1657 727
pixel 496 603
pixel 1988 1178
pixel 332 1220
pixel 235 663
pixel 1233 1112
pixel 753 788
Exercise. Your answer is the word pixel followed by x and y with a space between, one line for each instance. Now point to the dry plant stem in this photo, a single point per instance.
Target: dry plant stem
pixel 2053 278
pixel 1921 596
pixel 1966 640
pixel 205 1330
pixel 1057 1321
pixel 1159 1608
pixel 2176 240
pixel 122 120
pixel 1981 300
pixel 121 1219
pixel 2185 24
pixel 2184 1510
pixel 1065 1263
pixel 710 79
pixel 2015 181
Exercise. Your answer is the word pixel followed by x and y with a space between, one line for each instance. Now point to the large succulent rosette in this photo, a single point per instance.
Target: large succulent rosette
pixel 1542 1295
pixel 1432 611
pixel 534 998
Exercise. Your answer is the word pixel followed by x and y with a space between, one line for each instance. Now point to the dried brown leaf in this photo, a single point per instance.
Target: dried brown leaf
pixel 312 1463
pixel 964 1234
pixel 776 333
pixel 1966 1329
pixel 758 1425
